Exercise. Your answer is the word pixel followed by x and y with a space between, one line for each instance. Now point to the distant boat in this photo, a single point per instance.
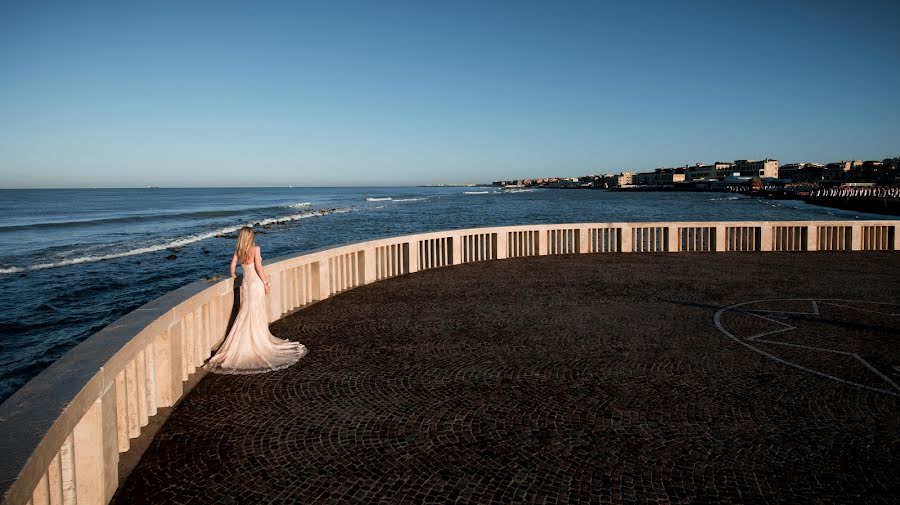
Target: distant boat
pixel 152 187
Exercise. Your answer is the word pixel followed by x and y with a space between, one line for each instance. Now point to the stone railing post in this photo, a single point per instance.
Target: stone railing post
pixel 297 283
pixel 413 256
pixel 543 243
pixel 319 274
pixel 455 252
pixel 673 238
pixel 287 287
pixel 721 238
pixel 625 242
pixel 766 241
pixel 812 238
pixel 856 239
pixel 176 363
pixel 584 240
pixel 324 279
pixel 369 265
pixel 162 365
pixel 502 244
pixel 95 478
pixel 274 297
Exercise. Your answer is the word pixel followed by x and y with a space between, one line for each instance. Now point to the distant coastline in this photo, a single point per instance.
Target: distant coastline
pixel 718 175
pixel 866 186
pixel 462 185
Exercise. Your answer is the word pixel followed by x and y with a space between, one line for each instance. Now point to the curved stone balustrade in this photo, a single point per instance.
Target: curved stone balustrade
pixel 62 433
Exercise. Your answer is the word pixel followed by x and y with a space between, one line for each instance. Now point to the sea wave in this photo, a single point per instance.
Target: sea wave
pixel 142 218
pixel 476 192
pixel 394 199
pixel 181 242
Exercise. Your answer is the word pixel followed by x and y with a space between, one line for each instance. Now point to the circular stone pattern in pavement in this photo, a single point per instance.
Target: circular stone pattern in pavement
pixel 587 378
pixel 853 342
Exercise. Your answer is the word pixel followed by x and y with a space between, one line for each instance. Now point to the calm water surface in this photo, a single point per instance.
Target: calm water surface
pixel 73 261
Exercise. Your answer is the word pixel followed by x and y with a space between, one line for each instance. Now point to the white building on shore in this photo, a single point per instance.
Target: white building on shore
pixel 764 169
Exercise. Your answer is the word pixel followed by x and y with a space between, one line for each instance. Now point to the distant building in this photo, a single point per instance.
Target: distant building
pixel 696 171
pixel 625 179
pixel 661 177
pixel 875 170
pixel 801 172
pixel 840 170
pixel 566 182
pixel 714 171
pixel 764 169
pixel 605 181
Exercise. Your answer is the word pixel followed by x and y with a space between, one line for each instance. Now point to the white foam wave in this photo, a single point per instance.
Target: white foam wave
pixel 172 244
pixel 410 199
pixel 299 205
pixel 476 192
pixel 379 199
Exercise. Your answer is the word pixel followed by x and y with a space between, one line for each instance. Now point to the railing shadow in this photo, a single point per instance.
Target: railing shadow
pixel 235 306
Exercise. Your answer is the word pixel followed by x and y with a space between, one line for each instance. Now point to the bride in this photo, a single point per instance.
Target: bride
pixel 249 347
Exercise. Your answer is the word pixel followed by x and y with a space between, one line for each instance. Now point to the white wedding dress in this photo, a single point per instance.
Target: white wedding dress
pixel 249 348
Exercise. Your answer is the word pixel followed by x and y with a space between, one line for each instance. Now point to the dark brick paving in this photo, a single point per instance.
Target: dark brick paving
pixel 583 378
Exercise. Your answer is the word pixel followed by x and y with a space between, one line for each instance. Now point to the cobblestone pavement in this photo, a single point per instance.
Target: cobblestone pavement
pixel 589 378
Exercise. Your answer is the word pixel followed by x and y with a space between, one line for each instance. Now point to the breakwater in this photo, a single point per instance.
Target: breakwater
pixel 869 204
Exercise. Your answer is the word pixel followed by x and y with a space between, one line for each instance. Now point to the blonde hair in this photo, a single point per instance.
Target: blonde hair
pixel 245 243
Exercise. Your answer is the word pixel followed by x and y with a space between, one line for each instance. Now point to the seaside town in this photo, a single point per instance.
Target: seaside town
pixel 741 174
pixel 871 185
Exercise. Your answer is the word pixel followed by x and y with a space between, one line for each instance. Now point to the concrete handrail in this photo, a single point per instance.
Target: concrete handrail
pixel 62 433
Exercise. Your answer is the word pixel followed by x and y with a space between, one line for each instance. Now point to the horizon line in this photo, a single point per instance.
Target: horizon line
pixel 449 185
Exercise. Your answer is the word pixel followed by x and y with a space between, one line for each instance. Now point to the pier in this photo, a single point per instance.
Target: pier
pixel 726 362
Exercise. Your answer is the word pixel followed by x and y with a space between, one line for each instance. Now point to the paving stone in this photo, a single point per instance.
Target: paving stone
pixel 585 378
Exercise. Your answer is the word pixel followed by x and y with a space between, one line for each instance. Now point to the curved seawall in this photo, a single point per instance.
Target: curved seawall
pixel 63 433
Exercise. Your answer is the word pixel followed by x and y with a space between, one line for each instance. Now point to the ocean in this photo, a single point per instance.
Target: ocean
pixel 74 260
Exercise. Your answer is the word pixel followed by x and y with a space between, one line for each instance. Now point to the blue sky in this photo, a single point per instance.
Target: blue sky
pixel 360 93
